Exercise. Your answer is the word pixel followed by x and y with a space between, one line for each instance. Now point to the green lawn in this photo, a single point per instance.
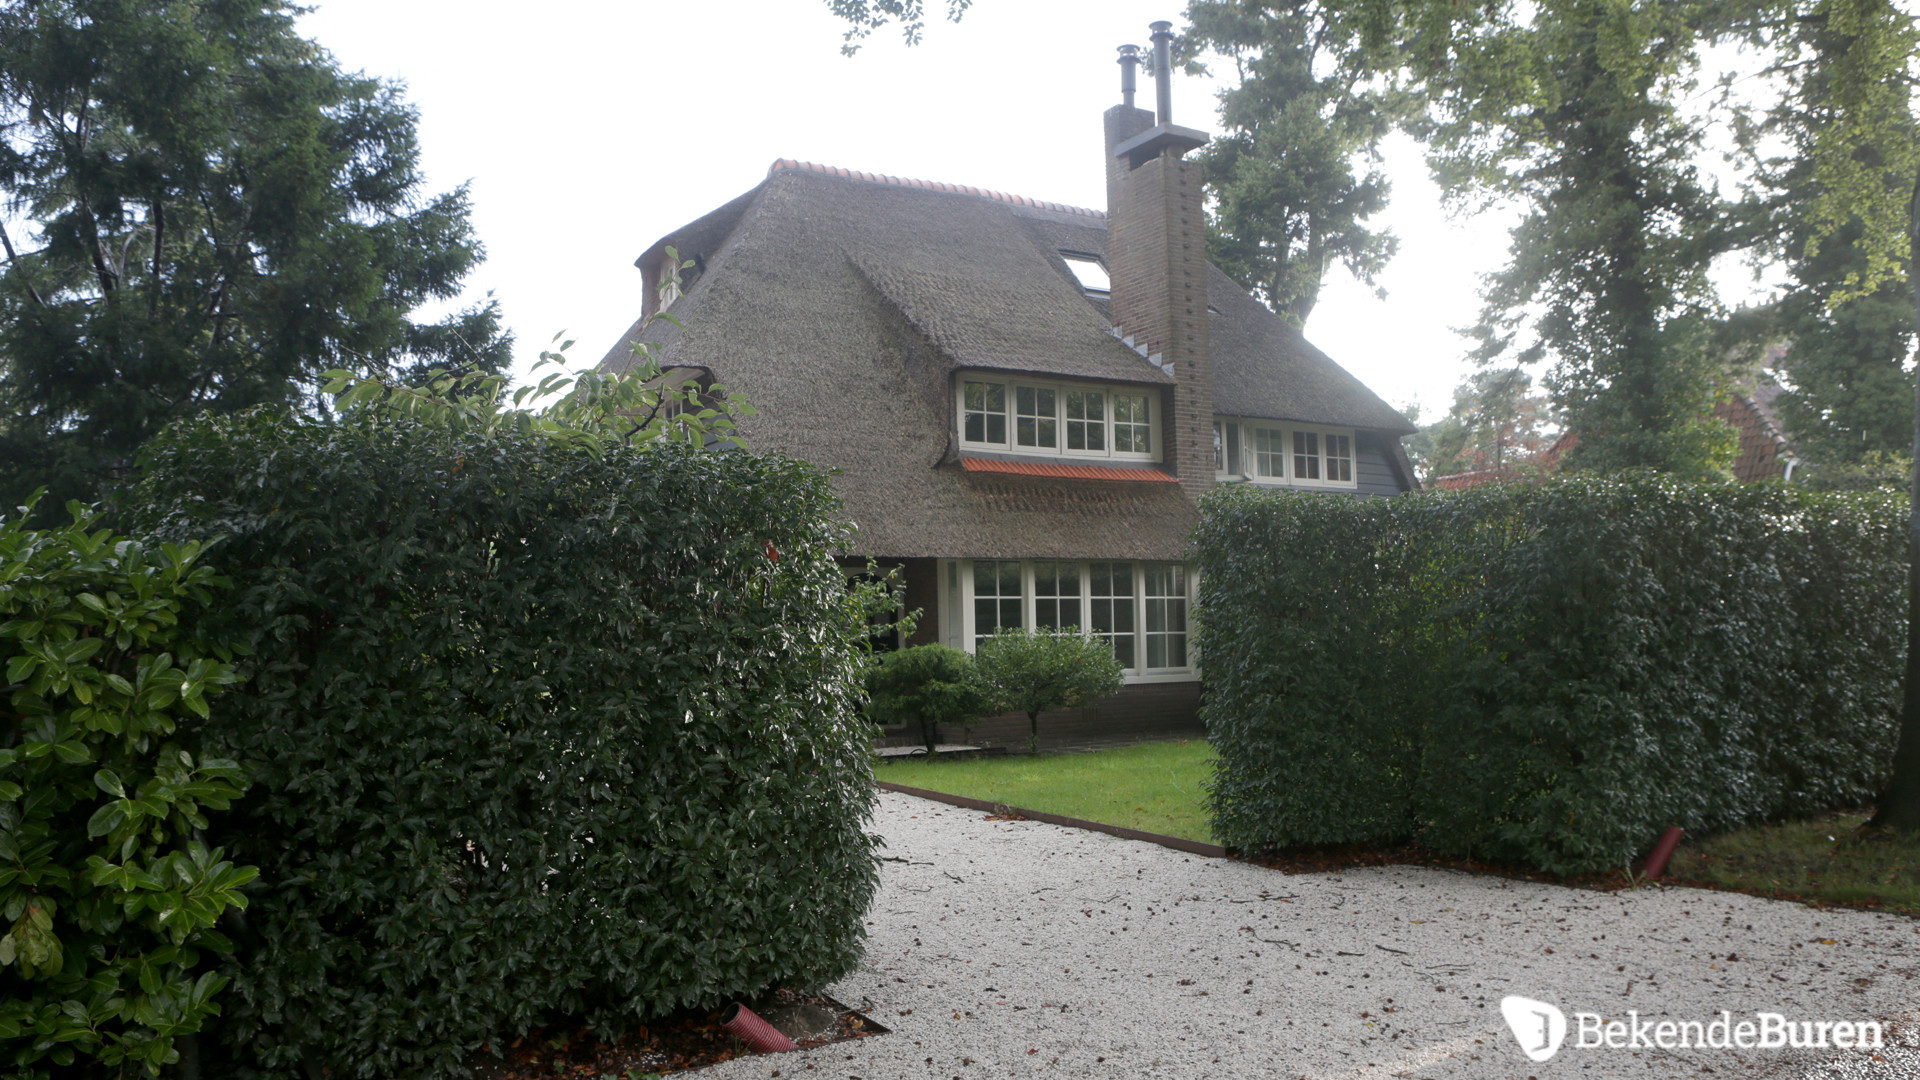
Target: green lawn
pixel 1817 859
pixel 1161 787
pixel 1154 787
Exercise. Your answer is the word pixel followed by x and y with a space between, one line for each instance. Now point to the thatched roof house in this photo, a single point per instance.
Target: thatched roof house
pixel 1023 400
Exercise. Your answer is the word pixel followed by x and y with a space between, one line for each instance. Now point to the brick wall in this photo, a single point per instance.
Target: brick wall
pixel 1157 255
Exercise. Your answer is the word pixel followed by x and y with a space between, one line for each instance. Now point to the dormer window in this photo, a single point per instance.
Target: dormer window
pixel 1271 452
pixel 1089 271
pixel 1031 417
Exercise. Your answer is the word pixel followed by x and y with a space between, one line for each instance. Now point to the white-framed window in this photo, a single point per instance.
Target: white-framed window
pixel 1023 416
pixel 1278 452
pixel 983 413
pixel 1166 624
pixel 998 597
pixel 1056 595
pixel 1110 606
pixel 1139 608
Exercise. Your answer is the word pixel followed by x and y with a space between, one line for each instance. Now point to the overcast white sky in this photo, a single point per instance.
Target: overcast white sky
pixel 589 128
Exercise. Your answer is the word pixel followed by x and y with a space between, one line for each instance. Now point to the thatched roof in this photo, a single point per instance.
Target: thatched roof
pixel 841 304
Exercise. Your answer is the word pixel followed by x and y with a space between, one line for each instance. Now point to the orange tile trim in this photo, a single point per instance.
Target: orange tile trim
pixel 1065 472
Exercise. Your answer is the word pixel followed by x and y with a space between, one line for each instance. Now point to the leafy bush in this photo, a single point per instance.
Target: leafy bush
pixel 929 685
pixel 1031 671
pixel 540 732
pixel 109 899
pixel 1547 673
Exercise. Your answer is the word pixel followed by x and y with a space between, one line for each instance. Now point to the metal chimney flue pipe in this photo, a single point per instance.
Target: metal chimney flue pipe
pixel 1129 61
pixel 1162 71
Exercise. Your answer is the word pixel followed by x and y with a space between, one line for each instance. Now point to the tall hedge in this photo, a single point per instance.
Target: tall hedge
pixel 535 733
pixel 1547 673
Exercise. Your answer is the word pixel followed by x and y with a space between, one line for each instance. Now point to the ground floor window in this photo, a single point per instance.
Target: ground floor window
pixel 1140 608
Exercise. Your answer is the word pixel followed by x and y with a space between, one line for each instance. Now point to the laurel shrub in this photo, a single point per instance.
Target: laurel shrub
pixel 541 732
pixel 1549 673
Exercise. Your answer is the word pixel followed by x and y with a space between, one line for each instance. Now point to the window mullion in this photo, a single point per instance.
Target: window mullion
pixel 966 604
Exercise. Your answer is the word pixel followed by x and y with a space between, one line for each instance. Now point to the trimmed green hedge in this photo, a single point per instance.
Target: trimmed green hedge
pixel 1546 673
pixel 535 733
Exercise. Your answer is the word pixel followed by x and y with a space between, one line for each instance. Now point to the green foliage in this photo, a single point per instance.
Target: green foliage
pixel 1873 472
pixel 1494 424
pixel 927 684
pixel 592 407
pixel 108 895
pixel 540 731
pixel 1031 671
pixel 1833 212
pixel 1548 673
pixel 215 214
pixel 1572 108
pixel 1294 175
pixel 866 16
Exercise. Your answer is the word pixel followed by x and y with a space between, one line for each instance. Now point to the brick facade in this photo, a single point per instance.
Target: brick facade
pixel 1157 258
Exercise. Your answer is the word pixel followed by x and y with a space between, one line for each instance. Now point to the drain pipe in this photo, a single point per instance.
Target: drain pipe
pixel 742 1023
pixel 1662 851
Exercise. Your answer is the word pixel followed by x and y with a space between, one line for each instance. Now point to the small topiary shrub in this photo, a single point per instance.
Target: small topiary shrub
pixel 540 732
pixel 108 946
pixel 928 685
pixel 1031 671
pixel 1547 673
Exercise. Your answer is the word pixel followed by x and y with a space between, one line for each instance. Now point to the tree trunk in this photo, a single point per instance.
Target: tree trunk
pixel 1900 803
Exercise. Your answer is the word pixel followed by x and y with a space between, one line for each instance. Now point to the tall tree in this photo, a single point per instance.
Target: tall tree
pixel 1568 107
pixel 1294 174
pixel 214 213
pixel 1853 68
pixel 1497 422
pixel 1849 395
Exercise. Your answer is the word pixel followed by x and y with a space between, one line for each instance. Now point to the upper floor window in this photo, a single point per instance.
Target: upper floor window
pixel 1274 452
pixel 1059 419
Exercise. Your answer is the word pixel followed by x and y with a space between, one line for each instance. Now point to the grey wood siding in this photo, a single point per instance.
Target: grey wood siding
pixel 1372 473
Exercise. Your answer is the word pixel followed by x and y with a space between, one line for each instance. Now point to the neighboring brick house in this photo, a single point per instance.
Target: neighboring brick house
pixel 1022 401
pixel 1765 453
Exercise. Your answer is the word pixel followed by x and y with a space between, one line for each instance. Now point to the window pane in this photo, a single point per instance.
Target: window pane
pixel 1110 615
pixel 1086 420
pixel 1236 463
pixel 1219 447
pixel 985 409
pixel 1056 595
pixel 1034 418
pixel 1269 453
pixel 1132 431
pixel 1306 455
pixel 1166 603
pixel 996 597
pixel 1340 458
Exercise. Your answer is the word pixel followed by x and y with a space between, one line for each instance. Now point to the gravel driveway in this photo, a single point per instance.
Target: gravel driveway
pixel 1014 948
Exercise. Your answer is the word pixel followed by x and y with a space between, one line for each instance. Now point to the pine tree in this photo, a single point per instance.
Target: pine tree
pixel 207 213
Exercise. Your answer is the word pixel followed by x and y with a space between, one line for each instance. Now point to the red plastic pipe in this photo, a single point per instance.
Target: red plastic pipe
pixel 1663 850
pixel 746 1026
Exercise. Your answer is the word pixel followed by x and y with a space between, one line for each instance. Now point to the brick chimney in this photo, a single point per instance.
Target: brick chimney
pixel 1157 255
